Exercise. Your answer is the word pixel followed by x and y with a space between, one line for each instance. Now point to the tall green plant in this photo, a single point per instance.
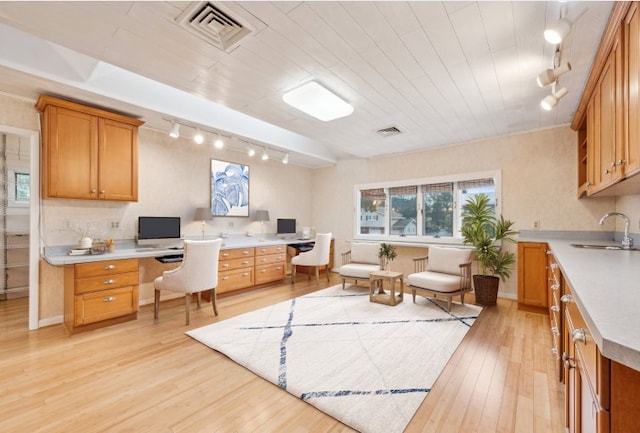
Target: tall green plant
pixel 485 232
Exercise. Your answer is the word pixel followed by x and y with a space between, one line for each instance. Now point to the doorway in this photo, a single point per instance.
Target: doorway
pixel 19 217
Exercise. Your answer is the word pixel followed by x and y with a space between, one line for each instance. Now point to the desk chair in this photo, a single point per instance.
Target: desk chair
pixel 318 256
pixel 197 272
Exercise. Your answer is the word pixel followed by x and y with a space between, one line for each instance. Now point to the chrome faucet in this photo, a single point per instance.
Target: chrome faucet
pixel 627 241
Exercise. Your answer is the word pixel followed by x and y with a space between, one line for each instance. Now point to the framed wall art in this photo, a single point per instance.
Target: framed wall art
pixel 229 189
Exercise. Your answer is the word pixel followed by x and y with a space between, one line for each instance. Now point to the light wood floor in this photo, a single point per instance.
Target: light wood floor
pixel 147 376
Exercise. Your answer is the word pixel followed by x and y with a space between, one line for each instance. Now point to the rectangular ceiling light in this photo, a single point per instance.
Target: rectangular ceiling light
pixel 317 101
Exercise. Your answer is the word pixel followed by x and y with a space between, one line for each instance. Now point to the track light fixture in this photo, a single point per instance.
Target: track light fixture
pixel 265 155
pixel 557 30
pixel 218 143
pixel 552 100
pixel 198 138
pixel 175 130
pixel 285 158
pixel 549 76
pixel 251 151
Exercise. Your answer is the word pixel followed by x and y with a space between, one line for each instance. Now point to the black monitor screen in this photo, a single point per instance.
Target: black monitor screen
pixel 286 225
pixel 158 227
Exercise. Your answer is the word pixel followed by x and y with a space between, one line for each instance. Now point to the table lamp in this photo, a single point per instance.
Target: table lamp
pixel 262 216
pixel 203 214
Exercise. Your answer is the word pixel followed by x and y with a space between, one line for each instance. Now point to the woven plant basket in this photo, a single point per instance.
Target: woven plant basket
pixel 486 289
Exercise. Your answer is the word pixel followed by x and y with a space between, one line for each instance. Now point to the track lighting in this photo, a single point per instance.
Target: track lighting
pixel 556 31
pixel 265 155
pixel 175 130
pixel 218 143
pixel 285 159
pixel 552 100
pixel 198 138
pixel 549 76
pixel 251 151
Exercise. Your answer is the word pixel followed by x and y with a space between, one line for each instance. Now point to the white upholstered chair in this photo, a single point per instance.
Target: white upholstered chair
pixel 360 261
pixel 317 257
pixel 197 272
pixel 443 272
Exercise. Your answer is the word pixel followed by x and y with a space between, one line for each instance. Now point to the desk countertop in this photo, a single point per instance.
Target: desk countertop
pixel 59 256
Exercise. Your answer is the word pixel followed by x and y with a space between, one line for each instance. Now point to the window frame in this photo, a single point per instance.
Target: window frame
pixel 496 175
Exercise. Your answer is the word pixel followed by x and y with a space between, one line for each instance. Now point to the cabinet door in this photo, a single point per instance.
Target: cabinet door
pixel 118 161
pixel 532 274
pixel 593 143
pixel 608 112
pixel 632 81
pixel 70 155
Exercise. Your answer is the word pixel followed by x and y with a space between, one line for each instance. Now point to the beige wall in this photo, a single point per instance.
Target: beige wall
pixel 538 174
pixel 538 183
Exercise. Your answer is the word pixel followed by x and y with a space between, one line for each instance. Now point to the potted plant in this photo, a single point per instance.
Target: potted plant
pixel 482 229
pixel 389 253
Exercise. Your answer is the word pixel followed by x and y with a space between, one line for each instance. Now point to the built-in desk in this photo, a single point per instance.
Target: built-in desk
pixel 245 263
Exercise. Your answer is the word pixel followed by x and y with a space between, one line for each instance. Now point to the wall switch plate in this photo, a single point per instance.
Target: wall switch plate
pixel 536 224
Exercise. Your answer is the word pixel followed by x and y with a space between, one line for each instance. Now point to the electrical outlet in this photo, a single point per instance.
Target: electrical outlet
pixel 230 224
pixel 115 224
pixel 536 224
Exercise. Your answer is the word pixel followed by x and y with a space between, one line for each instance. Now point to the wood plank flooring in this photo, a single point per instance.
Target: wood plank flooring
pixel 147 376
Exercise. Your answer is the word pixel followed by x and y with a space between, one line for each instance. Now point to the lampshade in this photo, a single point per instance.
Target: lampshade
pixel 556 31
pixel 549 76
pixel 552 100
pixel 262 215
pixel 317 101
pixel 203 214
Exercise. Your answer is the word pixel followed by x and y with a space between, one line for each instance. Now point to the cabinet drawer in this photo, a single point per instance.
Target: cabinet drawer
pixel 231 264
pixel 104 282
pixel 272 249
pixel 595 367
pixel 234 280
pixel 105 304
pixel 268 273
pixel 273 258
pixel 107 267
pixel 236 253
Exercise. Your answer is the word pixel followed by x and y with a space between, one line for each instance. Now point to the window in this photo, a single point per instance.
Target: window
pixel 422 209
pixel 23 187
pixel 403 216
pixel 372 212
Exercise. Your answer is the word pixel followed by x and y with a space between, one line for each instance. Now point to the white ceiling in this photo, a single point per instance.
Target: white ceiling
pixel 442 72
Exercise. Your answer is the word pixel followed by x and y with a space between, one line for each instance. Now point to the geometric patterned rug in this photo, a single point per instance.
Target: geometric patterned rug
pixel 366 364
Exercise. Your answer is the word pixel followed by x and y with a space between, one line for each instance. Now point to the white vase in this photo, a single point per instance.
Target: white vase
pixel 85 242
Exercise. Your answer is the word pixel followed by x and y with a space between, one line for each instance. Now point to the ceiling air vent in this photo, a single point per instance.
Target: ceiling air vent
pixel 389 131
pixel 213 24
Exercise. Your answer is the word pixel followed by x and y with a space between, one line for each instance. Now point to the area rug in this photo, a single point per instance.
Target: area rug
pixel 366 364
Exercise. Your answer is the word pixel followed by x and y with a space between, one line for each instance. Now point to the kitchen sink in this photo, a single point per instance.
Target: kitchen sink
pixel 601 247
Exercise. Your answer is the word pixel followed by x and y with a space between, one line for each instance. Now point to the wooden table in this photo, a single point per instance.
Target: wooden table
pixel 376 290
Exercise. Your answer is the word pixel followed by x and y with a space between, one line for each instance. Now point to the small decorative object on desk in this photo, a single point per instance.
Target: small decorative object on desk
pixel 110 246
pixel 98 247
pixel 389 253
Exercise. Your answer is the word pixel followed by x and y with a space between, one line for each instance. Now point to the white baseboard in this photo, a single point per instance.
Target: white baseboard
pixel 48 321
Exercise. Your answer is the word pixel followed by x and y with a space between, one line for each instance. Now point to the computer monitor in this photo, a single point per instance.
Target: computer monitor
pixel 158 231
pixel 286 226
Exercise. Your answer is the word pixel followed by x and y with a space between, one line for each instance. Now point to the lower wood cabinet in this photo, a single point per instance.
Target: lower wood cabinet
pixel 100 293
pixel 532 275
pixel 270 263
pixel 240 268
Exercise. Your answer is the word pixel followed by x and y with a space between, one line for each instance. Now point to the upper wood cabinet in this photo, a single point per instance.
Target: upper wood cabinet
pixel 608 116
pixel 87 153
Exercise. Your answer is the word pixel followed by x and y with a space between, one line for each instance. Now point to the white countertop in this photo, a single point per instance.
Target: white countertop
pixel 606 286
pixel 59 256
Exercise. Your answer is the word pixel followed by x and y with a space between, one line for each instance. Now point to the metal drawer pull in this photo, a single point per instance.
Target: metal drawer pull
pixel 555 308
pixel 225 278
pixel 263 270
pixel 110 281
pixel 554 266
pixel 555 286
pixel 554 330
pixel 226 265
pixel 245 274
pixel 568 362
pixel 109 299
pixel 579 335
pixel 554 351
pixel 566 298
pixel 246 262
pixel 109 267
pixel 245 252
